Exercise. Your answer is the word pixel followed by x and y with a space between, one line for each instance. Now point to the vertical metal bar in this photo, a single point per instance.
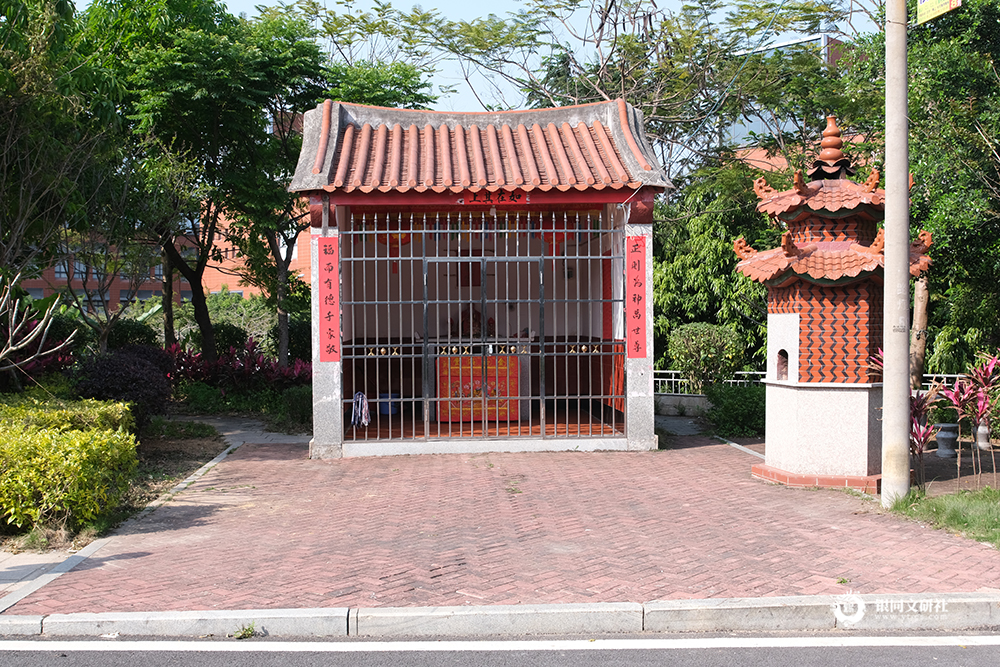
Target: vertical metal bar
pixel 579 323
pixel 364 311
pixel 541 336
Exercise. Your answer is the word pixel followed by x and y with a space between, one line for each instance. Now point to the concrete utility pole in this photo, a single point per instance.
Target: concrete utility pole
pixel 896 321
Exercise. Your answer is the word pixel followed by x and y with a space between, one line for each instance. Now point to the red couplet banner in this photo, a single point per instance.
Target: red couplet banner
pixel 635 296
pixel 329 299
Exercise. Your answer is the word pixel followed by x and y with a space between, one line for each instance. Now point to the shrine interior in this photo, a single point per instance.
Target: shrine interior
pixel 482 324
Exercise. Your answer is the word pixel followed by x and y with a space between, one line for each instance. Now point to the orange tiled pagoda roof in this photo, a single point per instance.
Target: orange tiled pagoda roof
pixel 830 201
pixel 824 260
pixel 831 195
pixel 352 147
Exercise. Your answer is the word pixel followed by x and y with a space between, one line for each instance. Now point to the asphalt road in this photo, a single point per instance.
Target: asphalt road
pixel 912 651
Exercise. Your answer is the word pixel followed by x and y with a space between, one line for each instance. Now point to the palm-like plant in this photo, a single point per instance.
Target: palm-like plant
pixel 921 433
pixel 962 395
pixel 985 375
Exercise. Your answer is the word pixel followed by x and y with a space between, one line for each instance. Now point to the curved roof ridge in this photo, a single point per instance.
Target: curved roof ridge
pixel 349 147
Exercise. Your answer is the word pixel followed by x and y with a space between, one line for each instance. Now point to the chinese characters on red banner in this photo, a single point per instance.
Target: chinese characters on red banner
pixel 635 296
pixel 328 327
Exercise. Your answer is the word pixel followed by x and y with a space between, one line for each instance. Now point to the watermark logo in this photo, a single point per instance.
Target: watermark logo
pixel 849 609
pixel 904 608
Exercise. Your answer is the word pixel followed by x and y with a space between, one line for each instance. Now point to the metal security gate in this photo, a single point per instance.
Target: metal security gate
pixel 479 326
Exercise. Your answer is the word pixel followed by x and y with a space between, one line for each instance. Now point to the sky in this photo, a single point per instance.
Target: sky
pixel 447 73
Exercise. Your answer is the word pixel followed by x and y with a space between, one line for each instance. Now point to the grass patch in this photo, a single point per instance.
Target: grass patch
pixel 164 429
pixel 288 411
pixel 973 514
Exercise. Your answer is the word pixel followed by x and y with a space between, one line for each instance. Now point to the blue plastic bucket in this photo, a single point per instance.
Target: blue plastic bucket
pixel 388 404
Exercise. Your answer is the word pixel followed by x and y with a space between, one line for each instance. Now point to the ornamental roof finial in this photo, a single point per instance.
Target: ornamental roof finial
pixel 831 163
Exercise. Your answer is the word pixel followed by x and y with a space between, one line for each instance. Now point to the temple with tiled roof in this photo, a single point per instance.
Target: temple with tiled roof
pixel 482 281
pixel 825 302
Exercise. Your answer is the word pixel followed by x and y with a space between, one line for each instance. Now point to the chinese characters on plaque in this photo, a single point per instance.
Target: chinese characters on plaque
pixel 635 296
pixel 328 327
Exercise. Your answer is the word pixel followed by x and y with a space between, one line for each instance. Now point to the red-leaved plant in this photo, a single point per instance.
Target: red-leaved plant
pixel 961 396
pixel 239 369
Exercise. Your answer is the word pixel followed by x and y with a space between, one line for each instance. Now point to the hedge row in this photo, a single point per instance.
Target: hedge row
pixel 63 462
pixel 52 476
pixel 26 412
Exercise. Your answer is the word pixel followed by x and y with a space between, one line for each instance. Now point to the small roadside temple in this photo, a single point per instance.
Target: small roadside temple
pixel 481 281
pixel 824 323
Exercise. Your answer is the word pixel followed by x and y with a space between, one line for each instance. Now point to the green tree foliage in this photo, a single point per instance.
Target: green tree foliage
pixel 53 112
pixel 266 219
pixel 398 85
pixel 676 66
pixel 705 354
pixel 954 99
pixel 694 278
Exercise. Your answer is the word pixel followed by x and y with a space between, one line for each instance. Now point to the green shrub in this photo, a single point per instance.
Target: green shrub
pixel 228 336
pixel 26 412
pixel 254 316
pixel 51 385
pixel 737 410
pixel 299 339
pixel 288 409
pixel 296 408
pixel 201 397
pixel 705 354
pixel 129 378
pixel 126 332
pixel 63 324
pixel 49 476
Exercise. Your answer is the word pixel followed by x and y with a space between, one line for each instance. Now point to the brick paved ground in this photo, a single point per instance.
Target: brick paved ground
pixel 268 528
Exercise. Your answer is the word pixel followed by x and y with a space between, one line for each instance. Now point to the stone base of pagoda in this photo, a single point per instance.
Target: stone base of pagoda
pixel 823 430
pixel 870 484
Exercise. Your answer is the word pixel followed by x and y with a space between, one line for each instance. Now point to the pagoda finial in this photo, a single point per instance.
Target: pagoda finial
pixel 832 142
pixel 831 163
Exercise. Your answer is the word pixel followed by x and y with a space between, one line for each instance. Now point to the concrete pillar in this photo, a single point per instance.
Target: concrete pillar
pixel 896 341
pixel 328 406
pixel 639 403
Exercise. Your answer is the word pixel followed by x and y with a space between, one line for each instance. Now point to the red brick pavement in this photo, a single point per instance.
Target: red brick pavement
pixel 268 528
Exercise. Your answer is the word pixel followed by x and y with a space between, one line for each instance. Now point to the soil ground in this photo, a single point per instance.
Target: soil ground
pixel 164 461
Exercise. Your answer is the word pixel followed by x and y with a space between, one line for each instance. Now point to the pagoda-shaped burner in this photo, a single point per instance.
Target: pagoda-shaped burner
pixel 824 323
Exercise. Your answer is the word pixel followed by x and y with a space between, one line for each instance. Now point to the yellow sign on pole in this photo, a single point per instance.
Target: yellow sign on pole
pixel 931 9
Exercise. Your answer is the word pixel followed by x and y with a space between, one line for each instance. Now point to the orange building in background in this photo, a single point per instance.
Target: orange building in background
pixel 217 275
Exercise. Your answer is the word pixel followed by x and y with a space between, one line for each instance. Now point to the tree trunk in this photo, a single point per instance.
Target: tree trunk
pixel 102 339
pixel 169 335
pixel 204 320
pixel 198 300
pixel 918 333
pixel 282 314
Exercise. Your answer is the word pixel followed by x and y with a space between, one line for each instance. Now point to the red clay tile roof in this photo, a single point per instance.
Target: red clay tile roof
pixel 349 147
pixel 819 208
pixel 826 260
pixel 830 195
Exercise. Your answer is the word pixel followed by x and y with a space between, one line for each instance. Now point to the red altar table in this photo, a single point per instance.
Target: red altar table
pixel 464 381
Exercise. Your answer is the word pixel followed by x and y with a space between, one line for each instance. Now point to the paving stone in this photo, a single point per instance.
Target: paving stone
pixel 267 528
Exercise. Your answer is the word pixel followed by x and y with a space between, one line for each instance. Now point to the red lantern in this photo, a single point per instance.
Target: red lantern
pixel 554 239
pixel 394 241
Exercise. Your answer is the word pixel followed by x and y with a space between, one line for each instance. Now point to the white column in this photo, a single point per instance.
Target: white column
pixel 896 321
pixel 639 402
pixel 328 405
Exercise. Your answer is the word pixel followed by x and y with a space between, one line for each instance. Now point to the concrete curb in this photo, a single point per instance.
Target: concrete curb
pixel 277 622
pixel 528 619
pixel 926 611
